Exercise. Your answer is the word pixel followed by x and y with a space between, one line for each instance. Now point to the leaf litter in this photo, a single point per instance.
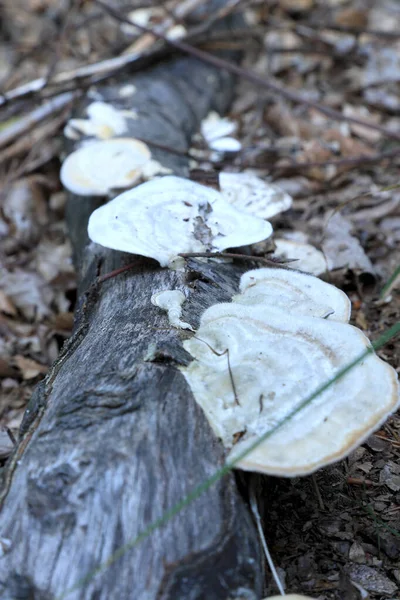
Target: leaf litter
pixel 336 535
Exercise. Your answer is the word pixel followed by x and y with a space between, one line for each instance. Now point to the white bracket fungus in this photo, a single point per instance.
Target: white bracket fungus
pixel 104 121
pixel 170 215
pixel 100 166
pixel 308 258
pixel 254 366
pixel 249 193
pixel 171 301
pixel 295 293
pixel 217 130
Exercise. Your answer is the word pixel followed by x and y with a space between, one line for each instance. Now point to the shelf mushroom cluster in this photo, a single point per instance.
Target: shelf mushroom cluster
pixel 257 358
pixel 105 160
pixel 168 216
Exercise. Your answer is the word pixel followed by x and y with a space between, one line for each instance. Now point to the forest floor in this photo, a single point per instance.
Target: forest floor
pixel 335 535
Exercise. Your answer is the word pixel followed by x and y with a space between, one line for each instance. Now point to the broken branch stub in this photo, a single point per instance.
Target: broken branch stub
pixel 167 216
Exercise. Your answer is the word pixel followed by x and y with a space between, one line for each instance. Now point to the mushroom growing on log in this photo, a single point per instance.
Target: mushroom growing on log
pixel 113 438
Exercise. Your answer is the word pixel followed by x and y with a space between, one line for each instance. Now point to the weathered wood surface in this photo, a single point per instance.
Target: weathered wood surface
pixel 113 437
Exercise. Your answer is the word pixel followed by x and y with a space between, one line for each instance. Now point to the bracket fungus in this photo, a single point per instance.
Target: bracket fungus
pixel 217 132
pixel 308 258
pixel 104 121
pixel 100 166
pixel 171 301
pixel 170 215
pixel 294 292
pixel 254 364
pixel 249 193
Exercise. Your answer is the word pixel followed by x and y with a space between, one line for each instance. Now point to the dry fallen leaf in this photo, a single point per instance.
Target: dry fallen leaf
pixel 28 291
pixel 6 305
pixel 29 368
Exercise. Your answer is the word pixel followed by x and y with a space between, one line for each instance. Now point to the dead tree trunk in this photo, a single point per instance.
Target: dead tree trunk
pixel 113 437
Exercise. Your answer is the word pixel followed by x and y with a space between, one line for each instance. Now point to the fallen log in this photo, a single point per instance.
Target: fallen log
pixel 113 438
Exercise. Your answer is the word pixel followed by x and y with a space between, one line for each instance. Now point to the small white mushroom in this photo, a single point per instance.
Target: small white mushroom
pixel 293 292
pixel 253 367
pixel 249 193
pixel 217 130
pixel 100 166
pixel 308 258
pixel 171 301
pixel 171 215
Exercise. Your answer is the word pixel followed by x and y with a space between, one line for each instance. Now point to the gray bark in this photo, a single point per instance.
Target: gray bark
pixel 113 437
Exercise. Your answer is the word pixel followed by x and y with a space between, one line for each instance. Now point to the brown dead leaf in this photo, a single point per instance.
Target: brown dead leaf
pixel 342 249
pixel 361 112
pixel 6 305
pixel 25 210
pixel 29 368
pixel 63 322
pixel 6 370
pixel 352 17
pixel 284 122
pixel 348 146
pixel 296 5
pixel 29 292
pixel 52 259
pixel 6 445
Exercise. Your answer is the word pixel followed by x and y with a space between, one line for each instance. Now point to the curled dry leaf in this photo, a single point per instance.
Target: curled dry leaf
pixel 52 259
pixel 6 305
pixel 308 258
pixel 6 447
pixel 24 208
pixel 251 194
pixel 101 166
pixel 29 368
pixel 170 215
pixel 342 249
pixel 28 291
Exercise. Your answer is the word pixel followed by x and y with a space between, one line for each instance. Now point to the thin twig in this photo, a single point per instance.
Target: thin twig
pixel 253 77
pixel 341 162
pixel 393 35
pixel 27 122
pixel 257 518
pixel 262 259
pixel 98 70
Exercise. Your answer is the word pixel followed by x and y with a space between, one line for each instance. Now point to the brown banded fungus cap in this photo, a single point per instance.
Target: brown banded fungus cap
pixel 170 215
pixel 276 360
